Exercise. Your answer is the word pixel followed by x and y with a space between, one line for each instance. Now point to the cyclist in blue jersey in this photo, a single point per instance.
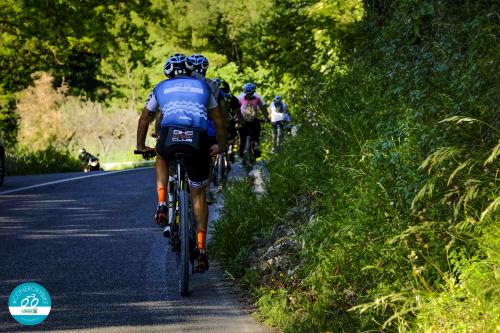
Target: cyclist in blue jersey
pixel 198 65
pixel 185 102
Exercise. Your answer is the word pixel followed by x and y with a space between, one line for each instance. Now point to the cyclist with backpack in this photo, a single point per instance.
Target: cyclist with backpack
pixel 186 103
pixel 251 103
pixel 280 117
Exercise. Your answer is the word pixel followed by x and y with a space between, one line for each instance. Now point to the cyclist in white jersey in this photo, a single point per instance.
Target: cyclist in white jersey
pixel 279 116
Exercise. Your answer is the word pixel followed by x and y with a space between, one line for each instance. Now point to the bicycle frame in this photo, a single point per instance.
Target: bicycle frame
pixel 248 152
pixel 183 220
pixel 186 227
pixel 27 303
pixel 279 136
pixel 220 169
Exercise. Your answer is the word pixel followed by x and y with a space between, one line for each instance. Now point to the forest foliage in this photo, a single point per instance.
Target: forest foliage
pixel 112 52
pixel 390 189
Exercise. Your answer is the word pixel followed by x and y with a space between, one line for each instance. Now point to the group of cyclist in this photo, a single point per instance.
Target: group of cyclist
pixel 187 100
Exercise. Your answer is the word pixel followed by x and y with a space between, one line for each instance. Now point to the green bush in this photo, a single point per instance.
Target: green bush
pixel 43 161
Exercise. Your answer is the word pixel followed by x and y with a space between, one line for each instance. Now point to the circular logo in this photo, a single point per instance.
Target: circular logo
pixel 29 303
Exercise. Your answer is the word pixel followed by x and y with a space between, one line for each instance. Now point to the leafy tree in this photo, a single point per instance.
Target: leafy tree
pixel 8 120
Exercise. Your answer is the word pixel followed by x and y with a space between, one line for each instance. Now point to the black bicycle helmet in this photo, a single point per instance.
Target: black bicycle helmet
pixel 175 65
pixel 223 85
pixel 197 63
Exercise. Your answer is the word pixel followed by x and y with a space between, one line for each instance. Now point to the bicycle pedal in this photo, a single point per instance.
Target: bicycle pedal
pixel 166 232
pixel 201 266
pixel 174 243
pixel 200 270
pixel 197 270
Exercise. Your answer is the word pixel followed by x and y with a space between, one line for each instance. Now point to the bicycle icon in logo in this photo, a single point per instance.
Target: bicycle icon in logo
pixel 27 303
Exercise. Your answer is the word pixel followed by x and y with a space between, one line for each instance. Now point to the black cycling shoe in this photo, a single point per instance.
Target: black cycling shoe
pixel 166 231
pixel 201 263
pixel 161 216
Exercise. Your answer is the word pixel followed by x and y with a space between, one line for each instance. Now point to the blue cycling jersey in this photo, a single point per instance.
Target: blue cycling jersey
pixel 211 128
pixel 183 101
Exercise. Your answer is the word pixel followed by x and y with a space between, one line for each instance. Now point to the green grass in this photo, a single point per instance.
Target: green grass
pixel 393 196
pixel 45 161
pixel 50 160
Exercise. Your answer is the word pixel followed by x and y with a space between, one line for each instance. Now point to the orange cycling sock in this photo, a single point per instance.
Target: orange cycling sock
pixel 202 236
pixel 162 194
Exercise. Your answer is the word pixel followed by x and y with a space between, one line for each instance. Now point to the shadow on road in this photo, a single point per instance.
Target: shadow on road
pixel 94 247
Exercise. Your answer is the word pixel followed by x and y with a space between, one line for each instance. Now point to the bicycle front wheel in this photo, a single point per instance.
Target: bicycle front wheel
pixel 247 158
pixel 184 235
pixel 215 170
pixel 279 137
pixel 221 165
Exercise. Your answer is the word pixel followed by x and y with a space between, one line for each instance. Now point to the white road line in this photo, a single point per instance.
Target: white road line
pixel 68 180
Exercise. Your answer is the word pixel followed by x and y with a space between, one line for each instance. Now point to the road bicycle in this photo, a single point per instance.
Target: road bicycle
pixel 278 143
pixel 183 230
pixel 221 167
pixel 27 303
pixel 249 158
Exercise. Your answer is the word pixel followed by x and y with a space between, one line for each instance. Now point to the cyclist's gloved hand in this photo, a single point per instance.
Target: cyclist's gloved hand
pixel 147 152
pixel 146 149
pixel 216 149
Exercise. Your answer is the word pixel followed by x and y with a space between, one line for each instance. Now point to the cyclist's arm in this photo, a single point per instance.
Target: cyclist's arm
pixel 147 116
pixel 264 111
pixel 263 108
pixel 239 116
pixel 142 127
pixel 288 116
pixel 220 126
pixel 224 112
pixel 236 106
pixel 158 120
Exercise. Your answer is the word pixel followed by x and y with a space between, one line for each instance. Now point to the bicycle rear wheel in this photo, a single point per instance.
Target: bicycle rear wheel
pixel 221 166
pixel 184 235
pixel 215 171
pixel 279 137
pixel 247 153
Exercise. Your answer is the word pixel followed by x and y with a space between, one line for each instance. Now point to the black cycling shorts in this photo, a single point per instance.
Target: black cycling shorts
pixel 212 140
pixel 278 123
pixel 198 167
pixel 233 133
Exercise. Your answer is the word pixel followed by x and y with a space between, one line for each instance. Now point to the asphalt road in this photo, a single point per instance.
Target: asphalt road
pixel 92 244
